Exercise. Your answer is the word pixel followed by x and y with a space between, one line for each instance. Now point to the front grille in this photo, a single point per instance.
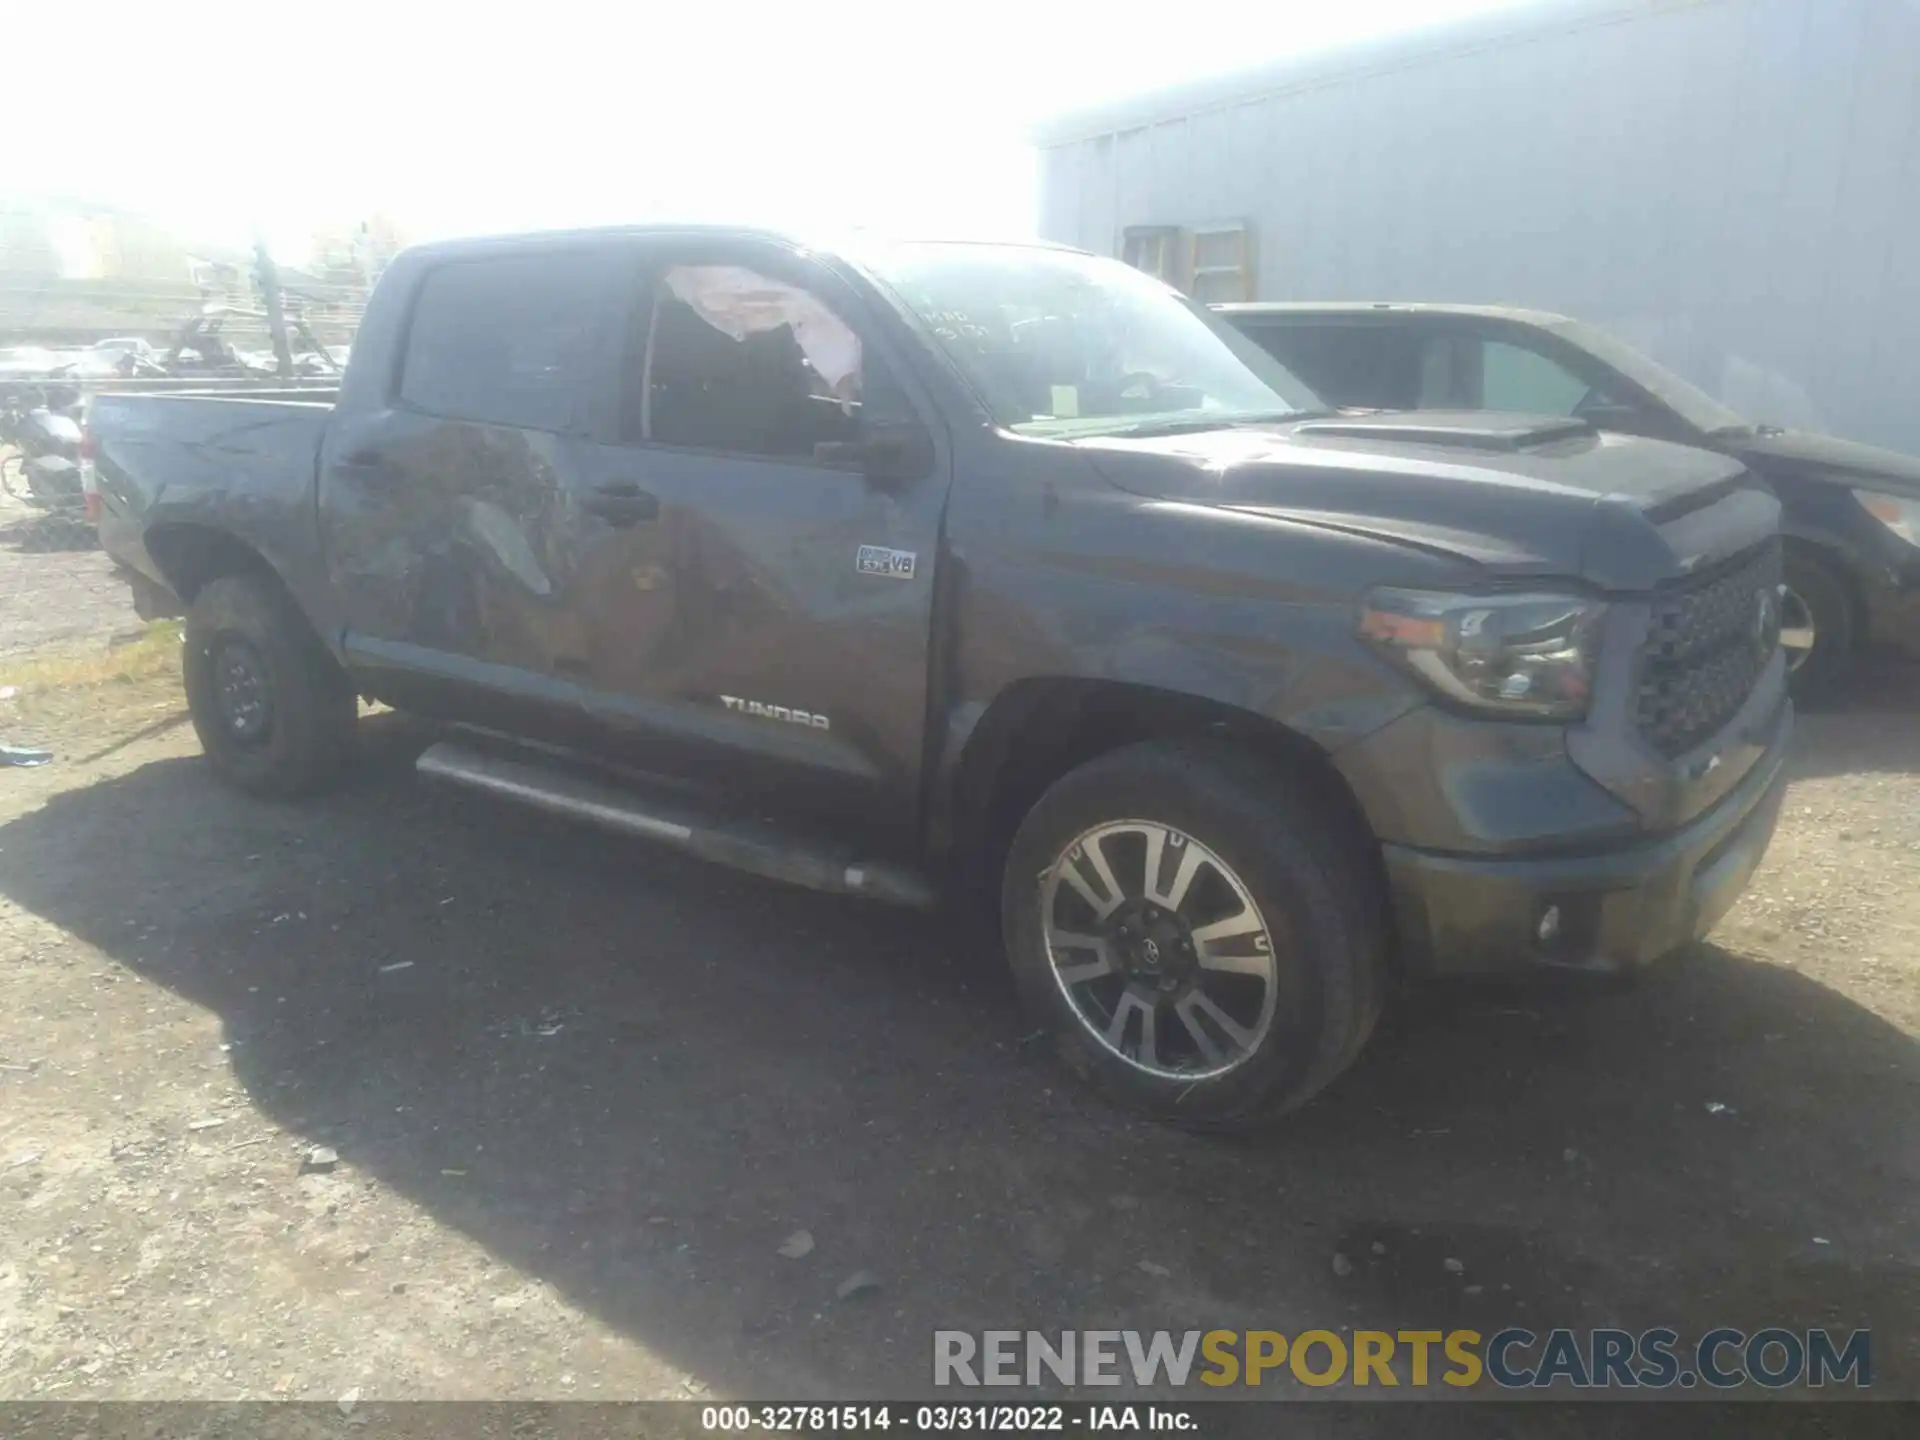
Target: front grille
pixel 1707 642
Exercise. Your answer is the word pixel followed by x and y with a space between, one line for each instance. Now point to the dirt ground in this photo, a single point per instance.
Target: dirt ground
pixel 56 585
pixel 580 1092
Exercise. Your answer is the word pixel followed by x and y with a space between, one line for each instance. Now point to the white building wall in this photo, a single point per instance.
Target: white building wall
pixel 1731 185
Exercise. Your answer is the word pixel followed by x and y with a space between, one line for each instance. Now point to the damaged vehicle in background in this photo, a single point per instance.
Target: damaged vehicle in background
pixel 995 571
pixel 41 463
pixel 1850 513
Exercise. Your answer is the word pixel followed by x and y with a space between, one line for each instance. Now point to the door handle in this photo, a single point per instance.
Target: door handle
pixel 620 502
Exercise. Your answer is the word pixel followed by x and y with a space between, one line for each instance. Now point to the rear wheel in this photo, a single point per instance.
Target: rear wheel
pixel 1204 938
pixel 1816 622
pixel 273 710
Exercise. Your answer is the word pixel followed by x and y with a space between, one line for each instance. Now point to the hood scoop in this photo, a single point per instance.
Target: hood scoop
pixel 1461 429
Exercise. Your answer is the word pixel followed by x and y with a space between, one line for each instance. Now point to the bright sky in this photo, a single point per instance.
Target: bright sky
pixel 507 114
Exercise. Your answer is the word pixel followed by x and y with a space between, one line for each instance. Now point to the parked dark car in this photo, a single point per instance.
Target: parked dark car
pixel 961 568
pixel 1850 513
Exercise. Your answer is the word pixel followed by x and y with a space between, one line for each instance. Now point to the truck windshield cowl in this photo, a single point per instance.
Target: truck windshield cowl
pixel 1063 345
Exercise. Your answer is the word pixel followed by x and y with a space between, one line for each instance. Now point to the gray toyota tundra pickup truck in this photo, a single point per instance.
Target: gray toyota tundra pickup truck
pixel 927 569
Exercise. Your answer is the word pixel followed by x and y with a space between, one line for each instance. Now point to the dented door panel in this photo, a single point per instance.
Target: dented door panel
pixel 454 561
pixel 448 509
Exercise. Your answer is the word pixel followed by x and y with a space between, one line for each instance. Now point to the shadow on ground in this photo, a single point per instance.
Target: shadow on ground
pixel 49 531
pixel 647 1072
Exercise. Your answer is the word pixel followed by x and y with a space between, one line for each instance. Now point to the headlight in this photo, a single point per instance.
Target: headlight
pixel 1527 654
pixel 1898 513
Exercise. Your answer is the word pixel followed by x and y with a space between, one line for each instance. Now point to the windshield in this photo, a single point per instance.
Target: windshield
pixel 1063 344
pixel 1685 399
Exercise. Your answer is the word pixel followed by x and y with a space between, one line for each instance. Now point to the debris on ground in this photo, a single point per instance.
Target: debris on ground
pixel 796 1245
pixel 1342 1266
pixel 319 1160
pixel 1153 1268
pixel 22 757
pixel 1453 1266
pixel 860 1282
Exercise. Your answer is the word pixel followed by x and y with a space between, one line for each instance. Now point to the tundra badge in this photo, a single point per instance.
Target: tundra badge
pixel 879 560
pixel 776 712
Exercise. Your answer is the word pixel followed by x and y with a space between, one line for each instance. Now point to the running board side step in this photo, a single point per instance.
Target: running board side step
pixel 742 844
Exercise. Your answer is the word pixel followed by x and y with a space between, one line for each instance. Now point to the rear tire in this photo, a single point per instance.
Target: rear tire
pixel 1279 893
pixel 275 713
pixel 1817 606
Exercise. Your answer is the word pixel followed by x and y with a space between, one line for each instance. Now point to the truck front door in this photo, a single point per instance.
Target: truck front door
pixel 756 606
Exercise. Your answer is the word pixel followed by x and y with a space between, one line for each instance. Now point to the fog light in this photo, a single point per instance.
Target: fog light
pixel 1549 927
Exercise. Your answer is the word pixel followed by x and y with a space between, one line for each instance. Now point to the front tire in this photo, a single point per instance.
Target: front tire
pixel 1202 931
pixel 275 713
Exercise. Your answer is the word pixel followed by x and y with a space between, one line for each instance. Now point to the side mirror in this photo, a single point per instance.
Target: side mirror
pixel 891 452
pixel 1605 413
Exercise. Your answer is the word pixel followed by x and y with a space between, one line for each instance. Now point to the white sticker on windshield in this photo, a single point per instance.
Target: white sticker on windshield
pixel 1066 402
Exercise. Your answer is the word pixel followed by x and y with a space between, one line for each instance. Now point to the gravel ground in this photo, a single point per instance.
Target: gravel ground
pixel 405 1094
pixel 56 584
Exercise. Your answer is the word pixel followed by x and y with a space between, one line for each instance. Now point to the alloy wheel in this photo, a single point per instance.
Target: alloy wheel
pixel 1159 949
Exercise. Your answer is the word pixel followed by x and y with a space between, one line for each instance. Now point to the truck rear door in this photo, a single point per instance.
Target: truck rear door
pixel 447 502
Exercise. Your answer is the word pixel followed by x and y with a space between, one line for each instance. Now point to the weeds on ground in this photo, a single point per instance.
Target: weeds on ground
pixel 88 699
pixel 154 651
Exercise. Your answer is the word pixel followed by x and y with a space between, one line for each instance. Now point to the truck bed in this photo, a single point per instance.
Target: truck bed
pixel 241 462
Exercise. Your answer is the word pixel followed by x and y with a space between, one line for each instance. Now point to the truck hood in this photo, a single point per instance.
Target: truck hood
pixel 1515 495
pixel 1805 453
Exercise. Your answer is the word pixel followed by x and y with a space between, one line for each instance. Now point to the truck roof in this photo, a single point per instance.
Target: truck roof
pixel 1374 307
pixel 485 244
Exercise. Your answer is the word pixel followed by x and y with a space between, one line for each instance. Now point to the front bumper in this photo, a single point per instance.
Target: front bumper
pixel 1621 907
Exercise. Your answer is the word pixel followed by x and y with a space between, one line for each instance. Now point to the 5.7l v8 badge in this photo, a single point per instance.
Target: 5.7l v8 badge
pixel 879 560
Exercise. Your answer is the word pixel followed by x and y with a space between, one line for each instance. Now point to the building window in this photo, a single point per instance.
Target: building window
pixel 1222 264
pixel 1154 249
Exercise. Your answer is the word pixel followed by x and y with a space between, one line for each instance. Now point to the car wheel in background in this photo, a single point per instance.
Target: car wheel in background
pixel 1816 622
